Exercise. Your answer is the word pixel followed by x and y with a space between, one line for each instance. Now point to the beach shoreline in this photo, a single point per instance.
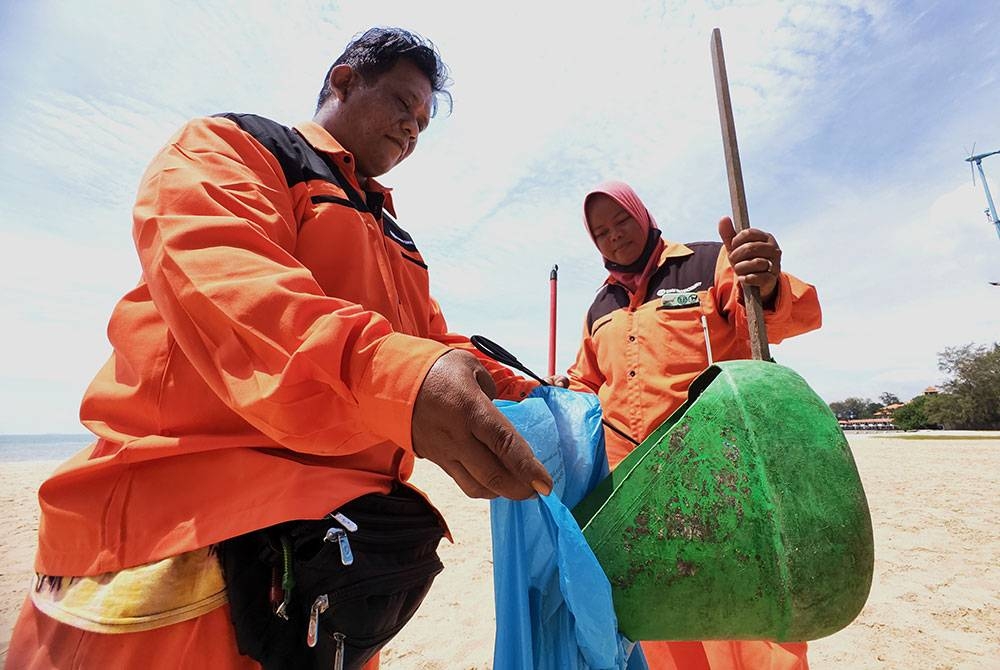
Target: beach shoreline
pixel 935 599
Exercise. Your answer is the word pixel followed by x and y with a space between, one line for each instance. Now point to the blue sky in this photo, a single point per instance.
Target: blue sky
pixel 853 120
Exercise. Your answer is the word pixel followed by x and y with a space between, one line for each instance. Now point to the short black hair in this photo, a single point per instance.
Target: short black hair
pixel 377 50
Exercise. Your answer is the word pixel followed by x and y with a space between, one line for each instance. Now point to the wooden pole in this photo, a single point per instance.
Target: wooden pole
pixel 553 282
pixel 751 294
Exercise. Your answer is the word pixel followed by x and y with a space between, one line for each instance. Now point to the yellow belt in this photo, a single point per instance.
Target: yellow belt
pixel 142 598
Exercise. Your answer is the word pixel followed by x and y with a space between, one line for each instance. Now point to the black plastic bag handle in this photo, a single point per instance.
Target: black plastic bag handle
pixel 501 355
pixel 504 357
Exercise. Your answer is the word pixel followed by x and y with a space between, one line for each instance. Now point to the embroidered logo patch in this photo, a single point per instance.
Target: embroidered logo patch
pixel 679 298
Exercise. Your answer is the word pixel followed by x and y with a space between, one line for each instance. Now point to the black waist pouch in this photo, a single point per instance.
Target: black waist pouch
pixel 330 593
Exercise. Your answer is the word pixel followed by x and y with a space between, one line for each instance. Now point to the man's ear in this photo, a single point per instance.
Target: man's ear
pixel 343 79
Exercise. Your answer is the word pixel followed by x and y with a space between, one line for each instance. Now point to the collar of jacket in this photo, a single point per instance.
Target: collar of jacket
pixel 670 250
pixel 323 141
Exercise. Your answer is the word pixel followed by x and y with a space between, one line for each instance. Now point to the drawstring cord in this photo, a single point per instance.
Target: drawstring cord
pixel 287 577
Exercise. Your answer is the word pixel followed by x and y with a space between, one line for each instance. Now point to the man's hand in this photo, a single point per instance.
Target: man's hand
pixel 456 426
pixel 561 381
pixel 755 257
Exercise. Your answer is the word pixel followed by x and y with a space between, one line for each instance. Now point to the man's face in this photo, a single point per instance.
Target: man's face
pixel 618 236
pixel 379 121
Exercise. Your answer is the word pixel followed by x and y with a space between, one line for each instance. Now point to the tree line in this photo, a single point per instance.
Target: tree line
pixel 969 399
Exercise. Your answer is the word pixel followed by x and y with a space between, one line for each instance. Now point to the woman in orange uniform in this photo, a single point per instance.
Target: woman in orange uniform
pixel 666 312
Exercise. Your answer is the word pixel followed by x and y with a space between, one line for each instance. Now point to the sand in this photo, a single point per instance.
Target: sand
pixel 935 600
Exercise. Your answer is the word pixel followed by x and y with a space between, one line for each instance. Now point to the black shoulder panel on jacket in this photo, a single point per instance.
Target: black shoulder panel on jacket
pixel 301 162
pixel 696 270
pixel 298 160
pixel 608 299
pixel 685 272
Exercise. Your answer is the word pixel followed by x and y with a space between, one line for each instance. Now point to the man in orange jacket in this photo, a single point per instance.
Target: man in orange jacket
pixel 665 313
pixel 280 358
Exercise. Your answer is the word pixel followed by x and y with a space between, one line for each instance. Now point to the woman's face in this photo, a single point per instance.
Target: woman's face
pixel 619 237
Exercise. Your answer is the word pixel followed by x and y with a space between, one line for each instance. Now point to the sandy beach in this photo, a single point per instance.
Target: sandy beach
pixel 935 600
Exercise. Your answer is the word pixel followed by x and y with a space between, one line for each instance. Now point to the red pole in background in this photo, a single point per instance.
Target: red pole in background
pixel 553 282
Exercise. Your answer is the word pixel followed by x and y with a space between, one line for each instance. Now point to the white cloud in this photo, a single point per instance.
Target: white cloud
pixel 550 98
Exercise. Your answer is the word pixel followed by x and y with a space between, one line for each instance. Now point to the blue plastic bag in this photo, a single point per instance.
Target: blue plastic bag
pixel 553 601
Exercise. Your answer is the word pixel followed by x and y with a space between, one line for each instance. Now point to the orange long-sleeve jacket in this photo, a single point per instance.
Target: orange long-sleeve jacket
pixel 266 365
pixel 640 351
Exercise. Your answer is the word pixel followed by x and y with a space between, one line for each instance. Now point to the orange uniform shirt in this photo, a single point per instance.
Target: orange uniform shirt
pixel 641 351
pixel 266 365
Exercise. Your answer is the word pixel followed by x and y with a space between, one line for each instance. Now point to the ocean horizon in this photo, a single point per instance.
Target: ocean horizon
pixel 41 446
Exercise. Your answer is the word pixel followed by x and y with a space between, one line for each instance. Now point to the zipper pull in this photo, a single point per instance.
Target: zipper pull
pixel 339 535
pixel 345 522
pixel 338 659
pixel 320 605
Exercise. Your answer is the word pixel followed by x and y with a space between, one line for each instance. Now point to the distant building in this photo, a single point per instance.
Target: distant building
pixel 883 419
pixel 889 409
pixel 874 423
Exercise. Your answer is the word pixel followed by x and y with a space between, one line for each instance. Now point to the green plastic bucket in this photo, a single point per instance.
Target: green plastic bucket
pixel 741 517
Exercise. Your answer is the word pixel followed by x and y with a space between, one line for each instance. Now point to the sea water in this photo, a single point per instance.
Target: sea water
pixel 49 447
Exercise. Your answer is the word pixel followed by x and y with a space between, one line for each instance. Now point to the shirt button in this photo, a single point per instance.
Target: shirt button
pixel 631 373
pixel 631 338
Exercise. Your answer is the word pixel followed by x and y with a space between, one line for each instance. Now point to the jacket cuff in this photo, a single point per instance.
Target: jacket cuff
pixel 782 307
pixel 389 385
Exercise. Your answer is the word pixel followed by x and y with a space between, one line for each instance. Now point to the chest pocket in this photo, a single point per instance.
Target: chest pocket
pixel 685 322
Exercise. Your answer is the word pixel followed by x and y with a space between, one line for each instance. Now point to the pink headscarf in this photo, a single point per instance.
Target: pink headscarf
pixel 630 277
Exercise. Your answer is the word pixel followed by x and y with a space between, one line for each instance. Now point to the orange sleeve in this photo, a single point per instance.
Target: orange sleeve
pixel 509 385
pixel 585 373
pixel 795 311
pixel 215 229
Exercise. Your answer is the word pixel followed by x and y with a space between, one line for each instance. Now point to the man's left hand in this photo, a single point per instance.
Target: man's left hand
pixel 755 257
